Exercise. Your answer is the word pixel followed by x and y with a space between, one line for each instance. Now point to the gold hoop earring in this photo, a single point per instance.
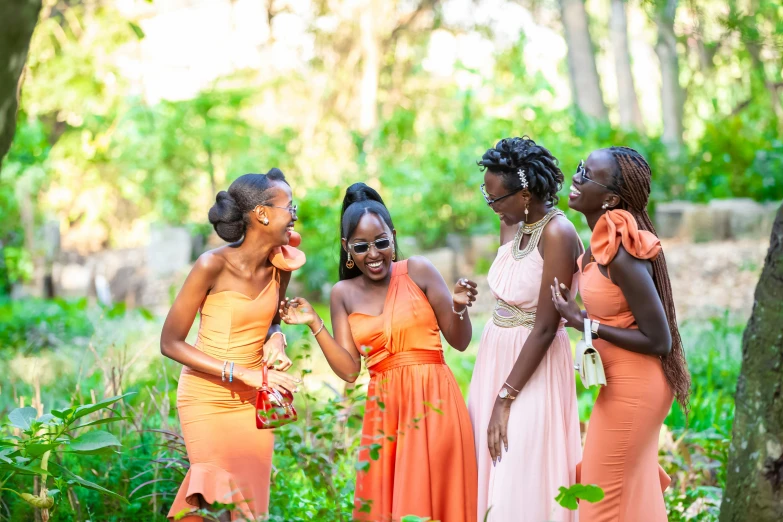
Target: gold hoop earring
pixel 349 264
pixel 394 256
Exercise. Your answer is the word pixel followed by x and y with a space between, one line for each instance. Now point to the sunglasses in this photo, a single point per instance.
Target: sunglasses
pixel 490 201
pixel 580 169
pixel 363 248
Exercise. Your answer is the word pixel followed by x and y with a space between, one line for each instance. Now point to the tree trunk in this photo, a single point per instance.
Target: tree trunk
pixel 17 21
pixel 585 85
pixel 754 484
pixel 630 115
pixel 368 96
pixel 672 95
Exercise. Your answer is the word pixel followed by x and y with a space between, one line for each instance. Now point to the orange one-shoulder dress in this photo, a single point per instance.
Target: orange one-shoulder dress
pixel 417 455
pixel 230 460
pixel 621 448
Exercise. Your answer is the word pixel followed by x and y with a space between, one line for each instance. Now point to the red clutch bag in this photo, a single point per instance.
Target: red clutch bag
pixel 273 409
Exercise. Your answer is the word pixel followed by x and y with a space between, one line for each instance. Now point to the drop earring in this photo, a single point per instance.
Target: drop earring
pixel 526 211
pixel 605 206
pixel 349 264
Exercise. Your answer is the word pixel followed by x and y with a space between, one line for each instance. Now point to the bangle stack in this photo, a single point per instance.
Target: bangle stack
pixel 223 373
pixel 231 374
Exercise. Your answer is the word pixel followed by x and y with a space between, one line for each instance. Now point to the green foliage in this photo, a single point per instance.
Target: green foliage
pixel 568 497
pixel 29 326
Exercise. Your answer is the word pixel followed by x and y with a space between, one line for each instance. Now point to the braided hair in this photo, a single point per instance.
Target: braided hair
pixel 632 179
pixel 512 154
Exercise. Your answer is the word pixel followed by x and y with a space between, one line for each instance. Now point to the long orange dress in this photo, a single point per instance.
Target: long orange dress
pixel 415 420
pixel 230 460
pixel 621 449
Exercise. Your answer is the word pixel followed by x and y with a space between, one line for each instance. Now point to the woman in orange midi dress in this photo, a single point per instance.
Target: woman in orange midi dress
pixel 236 289
pixel 417 455
pixel 627 295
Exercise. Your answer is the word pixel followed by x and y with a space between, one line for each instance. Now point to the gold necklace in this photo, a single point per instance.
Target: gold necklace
pixel 534 230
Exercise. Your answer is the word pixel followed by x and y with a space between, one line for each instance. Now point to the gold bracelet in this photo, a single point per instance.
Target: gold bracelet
pixel 507 384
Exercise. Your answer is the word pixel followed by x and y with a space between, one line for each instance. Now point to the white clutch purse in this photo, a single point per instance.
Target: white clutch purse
pixel 588 360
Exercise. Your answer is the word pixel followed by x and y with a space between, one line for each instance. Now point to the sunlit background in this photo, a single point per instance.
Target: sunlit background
pixel 133 115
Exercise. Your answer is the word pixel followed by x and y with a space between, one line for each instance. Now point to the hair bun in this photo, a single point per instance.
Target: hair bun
pixel 360 192
pixel 227 218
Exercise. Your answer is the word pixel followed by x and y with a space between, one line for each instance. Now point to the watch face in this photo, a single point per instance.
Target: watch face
pixel 503 393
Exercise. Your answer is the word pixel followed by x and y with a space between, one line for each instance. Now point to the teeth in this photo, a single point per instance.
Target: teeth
pixel 375 265
pixel 575 191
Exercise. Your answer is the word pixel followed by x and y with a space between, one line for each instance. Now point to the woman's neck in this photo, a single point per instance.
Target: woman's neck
pixel 537 211
pixel 253 253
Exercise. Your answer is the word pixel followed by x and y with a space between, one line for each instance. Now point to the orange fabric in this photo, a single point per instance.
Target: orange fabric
pixel 618 227
pixel 416 419
pixel 230 460
pixel 288 258
pixel 621 448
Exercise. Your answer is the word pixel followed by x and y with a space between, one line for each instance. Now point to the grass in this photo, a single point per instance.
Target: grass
pixel 315 458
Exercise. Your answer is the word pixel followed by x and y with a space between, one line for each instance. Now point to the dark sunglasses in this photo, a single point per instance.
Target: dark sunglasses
pixel 580 169
pixel 490 201
pixel 363 248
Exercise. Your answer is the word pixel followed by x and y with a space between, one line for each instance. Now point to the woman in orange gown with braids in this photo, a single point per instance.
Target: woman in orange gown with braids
pixel 236 289
pixel 393 313
pixel 627 295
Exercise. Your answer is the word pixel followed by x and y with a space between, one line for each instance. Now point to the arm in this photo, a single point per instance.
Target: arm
pixel 458 333
pixel 634 277
pixel 180 318
pixel 562 247
pixel 340 352
pixel 274 345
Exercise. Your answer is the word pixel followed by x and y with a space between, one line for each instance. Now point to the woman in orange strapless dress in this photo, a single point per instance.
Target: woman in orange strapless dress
pixel 416 419
pixel 627 295
pixel 236 288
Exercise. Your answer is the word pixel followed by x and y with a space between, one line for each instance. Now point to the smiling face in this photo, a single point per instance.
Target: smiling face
pixel 511 209
pixel 281 220
pixel 373 262
pixel 593 185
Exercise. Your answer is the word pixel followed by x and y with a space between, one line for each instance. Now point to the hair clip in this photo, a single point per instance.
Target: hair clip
pixel 522 178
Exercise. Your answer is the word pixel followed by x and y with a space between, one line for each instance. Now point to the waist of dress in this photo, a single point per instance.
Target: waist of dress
pixel 250 356
pixel 407 358
pixel 517 317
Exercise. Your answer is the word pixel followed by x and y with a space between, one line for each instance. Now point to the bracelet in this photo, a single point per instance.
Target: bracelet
pixel 594 327
pixel 507 384
pixel 285 341
pixel 223 373
pixel 315 334
pixel 231 375
pixel 460 314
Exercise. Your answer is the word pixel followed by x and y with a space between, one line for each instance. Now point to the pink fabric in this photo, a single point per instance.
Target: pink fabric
pixel 543 430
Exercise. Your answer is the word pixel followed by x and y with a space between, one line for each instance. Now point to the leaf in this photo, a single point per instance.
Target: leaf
pixel 117 310
pixel 95 441
pixel 362 465
pixel 146 314
pixel 375 451
pixel 76 479
pixel 567 497
pixel 22 418
pixel 36 450
pixel 81 411
pixel 591 493
pixel 137 30
pixel 61 414
pixel 97 422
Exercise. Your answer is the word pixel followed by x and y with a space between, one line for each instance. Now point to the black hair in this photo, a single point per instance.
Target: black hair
pixel 512 154
pixel 360 200
pixel 229 213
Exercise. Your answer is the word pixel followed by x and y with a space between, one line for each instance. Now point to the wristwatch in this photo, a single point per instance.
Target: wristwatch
pixel 594 324
pixel 505 395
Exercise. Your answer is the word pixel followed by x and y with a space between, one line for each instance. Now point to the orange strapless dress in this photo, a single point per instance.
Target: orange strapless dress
pixel 416 419
pixel 230 460
pixel 621 449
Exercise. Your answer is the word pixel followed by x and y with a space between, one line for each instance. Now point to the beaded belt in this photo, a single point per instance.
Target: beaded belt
pixel 517 317
pixel 408 358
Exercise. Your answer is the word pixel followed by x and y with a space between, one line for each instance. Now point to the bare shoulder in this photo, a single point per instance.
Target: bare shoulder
pixel 340 290
pixel 624 264
pixel 210 263
pixel 421 266
pixel 559 228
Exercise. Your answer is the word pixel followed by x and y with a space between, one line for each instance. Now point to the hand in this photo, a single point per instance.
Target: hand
pixel 566 306
pixel 497 431
pixel 274 354
pixel 277 380
pixel 298 311
pixel 464 294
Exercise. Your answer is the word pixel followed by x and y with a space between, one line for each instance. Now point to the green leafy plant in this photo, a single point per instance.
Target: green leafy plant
pixel 36 445
pixel 569 496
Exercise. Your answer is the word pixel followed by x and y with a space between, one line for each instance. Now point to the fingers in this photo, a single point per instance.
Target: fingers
pixel 504 436
pixel 280 380
pixel 498 447
pixel 562 290
pixel 491 444
pixel 284 364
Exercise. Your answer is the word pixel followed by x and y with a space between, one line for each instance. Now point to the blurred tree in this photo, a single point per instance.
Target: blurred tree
pixel 628 102
pixel 585 85
pixel 754 482
pixel 672 95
